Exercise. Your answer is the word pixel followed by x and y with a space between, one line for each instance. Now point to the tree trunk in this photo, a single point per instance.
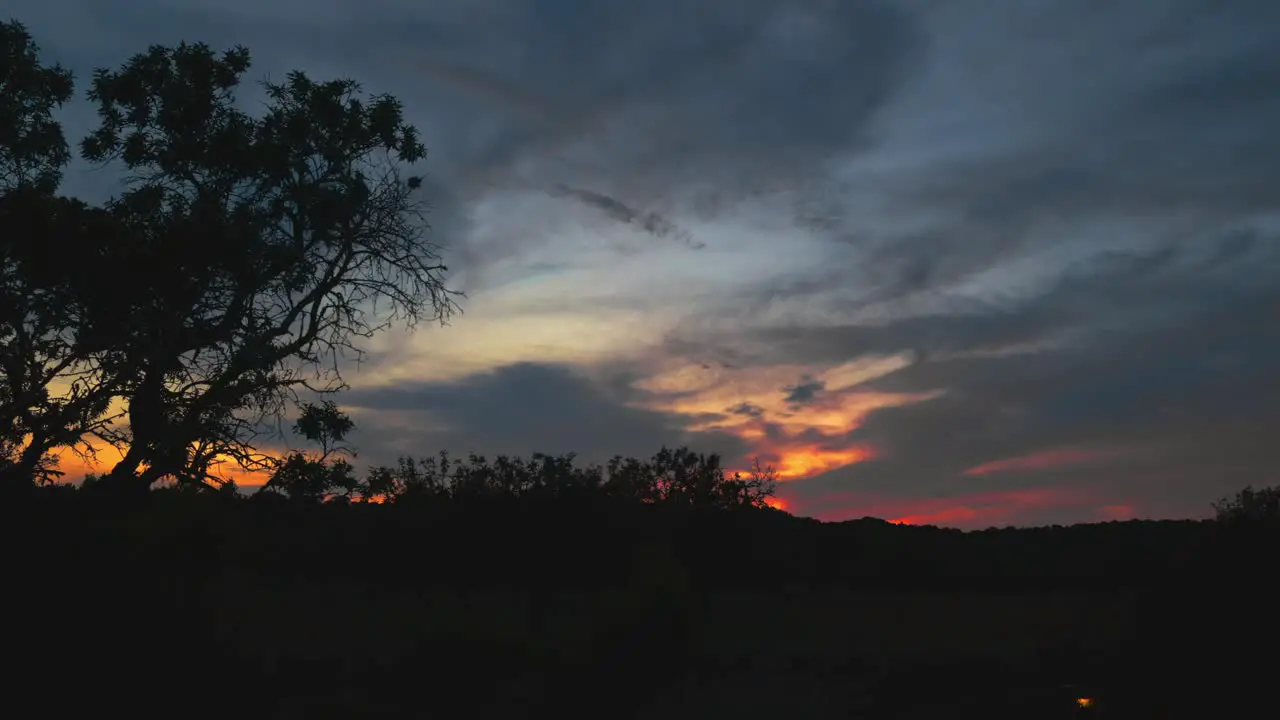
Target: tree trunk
pixel 124 476
pixel 32 454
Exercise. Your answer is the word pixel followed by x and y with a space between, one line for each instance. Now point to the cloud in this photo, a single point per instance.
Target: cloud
pixel 747 409
pixel 1160 417
pixel 934 236
pixel 651 222
pixel 1044 459
pixel 520 409
pixel 804 391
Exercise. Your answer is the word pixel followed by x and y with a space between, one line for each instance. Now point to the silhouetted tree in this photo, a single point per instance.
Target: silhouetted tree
pixel 684 477
pixel 52 391
pixel 319 476
pixel 244 258
pixel 753 489
pixel 678 477
pixel 1250 505
pixel 33 150
pixel 325 425
pixel 261 249
pixel 412 479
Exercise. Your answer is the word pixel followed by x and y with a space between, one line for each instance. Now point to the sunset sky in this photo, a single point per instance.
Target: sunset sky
pixel 962 262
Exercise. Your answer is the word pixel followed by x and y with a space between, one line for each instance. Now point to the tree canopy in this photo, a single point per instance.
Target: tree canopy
pixel 1250 506
pixel 242 260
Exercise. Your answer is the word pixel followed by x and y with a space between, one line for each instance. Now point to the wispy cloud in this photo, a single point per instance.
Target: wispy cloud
pixel 1043 460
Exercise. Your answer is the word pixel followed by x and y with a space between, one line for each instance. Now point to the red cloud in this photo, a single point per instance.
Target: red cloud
pixel 970 511
pixel 1117 512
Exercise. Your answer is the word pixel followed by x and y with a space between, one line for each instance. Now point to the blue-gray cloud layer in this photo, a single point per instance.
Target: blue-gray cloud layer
pixel 1067 209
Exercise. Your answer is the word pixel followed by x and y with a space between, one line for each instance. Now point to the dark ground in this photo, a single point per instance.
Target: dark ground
pixel 194 609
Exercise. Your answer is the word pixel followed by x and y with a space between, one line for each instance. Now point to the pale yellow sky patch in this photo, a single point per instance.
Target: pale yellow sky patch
pixel 862 370
pixel 485 343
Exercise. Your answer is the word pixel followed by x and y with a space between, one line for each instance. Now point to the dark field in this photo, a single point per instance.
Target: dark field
pixel 196 607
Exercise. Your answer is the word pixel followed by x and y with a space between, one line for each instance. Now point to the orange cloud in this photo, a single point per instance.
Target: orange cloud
pixel 1045 460
pixel 802 462
pixel 798 440
pixel 796 459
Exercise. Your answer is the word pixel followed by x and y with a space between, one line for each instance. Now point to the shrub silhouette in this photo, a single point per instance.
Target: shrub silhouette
pixel 1250 506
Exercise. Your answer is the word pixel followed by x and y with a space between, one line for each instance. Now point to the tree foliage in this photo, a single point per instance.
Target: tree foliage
pixel 244 259
pixel 33 149
pixel 319 476
pixel 52 393
pixel 1250 505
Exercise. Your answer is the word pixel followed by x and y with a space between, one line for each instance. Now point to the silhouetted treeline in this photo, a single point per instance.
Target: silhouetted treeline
pixel 506 604
pixel 552 535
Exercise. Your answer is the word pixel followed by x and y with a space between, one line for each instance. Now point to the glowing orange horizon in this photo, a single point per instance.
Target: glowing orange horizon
pixel 948 515
pixel 74 468
pixel 972 510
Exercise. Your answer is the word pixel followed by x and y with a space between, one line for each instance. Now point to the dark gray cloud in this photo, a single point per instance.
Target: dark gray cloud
pixel 518 410
pixel 731 96
pixel 746 409
pixel 734 97
pixel 1067 128
pixel 651 222
pixel 804 391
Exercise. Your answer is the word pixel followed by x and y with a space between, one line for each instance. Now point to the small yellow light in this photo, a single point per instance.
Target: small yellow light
pixel 1084 702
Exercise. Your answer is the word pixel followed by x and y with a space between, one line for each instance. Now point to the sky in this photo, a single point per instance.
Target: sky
pixel 954 262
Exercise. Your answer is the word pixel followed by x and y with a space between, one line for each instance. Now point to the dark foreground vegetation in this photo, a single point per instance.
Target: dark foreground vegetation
pixel 191 603
pixel 243 259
